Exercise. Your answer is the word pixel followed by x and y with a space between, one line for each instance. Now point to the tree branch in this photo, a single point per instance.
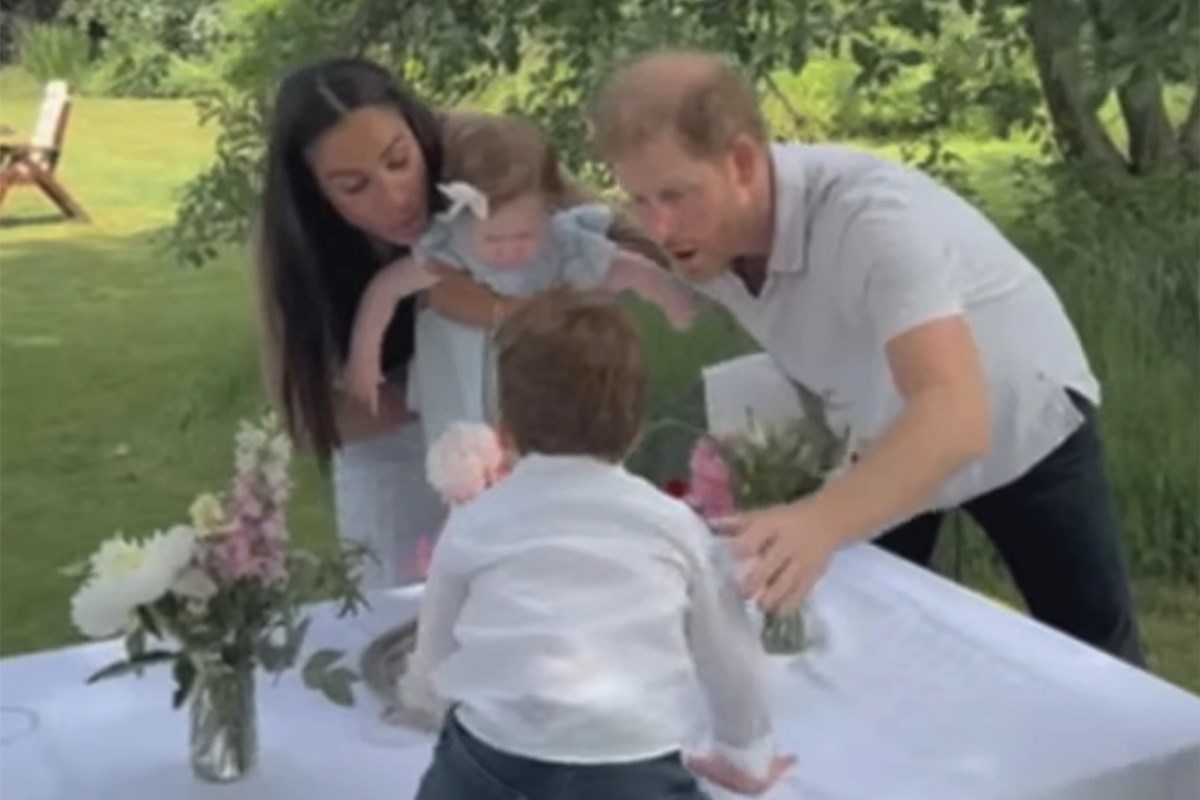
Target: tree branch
pixel 1189 134
pixel 1152 143
pixel 1054 32
pixel 1151 140
pixel 799 121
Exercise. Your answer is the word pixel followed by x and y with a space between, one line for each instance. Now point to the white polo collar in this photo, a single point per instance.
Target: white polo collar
pixel 790 235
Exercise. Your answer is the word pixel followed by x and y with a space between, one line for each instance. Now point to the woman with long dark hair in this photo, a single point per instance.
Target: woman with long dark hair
pixel 353 164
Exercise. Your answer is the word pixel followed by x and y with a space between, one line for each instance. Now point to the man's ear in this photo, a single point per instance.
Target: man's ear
pixel 744 158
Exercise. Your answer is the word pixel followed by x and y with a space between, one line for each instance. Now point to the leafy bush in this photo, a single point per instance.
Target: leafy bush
pixel 53 52
pixel 1123 257
pixel 132 70
pixel 151 48
pixel 190 78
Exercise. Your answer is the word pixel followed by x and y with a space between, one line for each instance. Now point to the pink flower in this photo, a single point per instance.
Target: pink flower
pixel 711 481
pixel 466 460
pixel 273 528
pixel 234 558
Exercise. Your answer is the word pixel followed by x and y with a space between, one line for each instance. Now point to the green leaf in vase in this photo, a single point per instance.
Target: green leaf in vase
pixel 184 672
pixel 317 666
pixel 130 665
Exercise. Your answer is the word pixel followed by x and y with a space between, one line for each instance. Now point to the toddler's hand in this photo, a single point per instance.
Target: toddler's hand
pixel 725 774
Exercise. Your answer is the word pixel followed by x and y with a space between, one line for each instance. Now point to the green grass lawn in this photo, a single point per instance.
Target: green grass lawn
pixel 122 374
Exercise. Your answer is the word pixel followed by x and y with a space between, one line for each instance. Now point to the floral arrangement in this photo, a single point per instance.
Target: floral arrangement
pixel 465 460
pixel 225 592
pixel 763 466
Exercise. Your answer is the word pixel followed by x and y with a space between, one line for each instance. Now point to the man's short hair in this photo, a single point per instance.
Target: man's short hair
pixel 699 97
pixel 571 375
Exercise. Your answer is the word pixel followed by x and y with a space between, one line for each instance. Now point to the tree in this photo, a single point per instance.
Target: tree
pixel 549 54
pixel 1087 50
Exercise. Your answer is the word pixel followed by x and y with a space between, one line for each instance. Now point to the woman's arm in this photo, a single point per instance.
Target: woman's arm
pixel 462 298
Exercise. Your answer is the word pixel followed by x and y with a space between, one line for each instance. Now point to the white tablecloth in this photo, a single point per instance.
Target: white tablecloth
pixel 921 691
pixel 924 691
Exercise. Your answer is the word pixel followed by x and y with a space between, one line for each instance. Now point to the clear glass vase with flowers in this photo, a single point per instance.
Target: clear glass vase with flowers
pixel 761 465
pixel 219 597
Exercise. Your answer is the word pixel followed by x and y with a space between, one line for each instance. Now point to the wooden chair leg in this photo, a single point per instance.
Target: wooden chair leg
pixel 57 193
pixel 6 182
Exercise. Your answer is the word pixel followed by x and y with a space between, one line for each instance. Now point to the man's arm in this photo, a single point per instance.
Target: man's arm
pixel 944 426
pixel 902 281
pixel 905 284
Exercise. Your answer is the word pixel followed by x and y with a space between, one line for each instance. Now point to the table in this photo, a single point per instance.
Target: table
pixel 922 691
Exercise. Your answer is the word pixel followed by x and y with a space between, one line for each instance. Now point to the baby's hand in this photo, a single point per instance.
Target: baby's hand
pixel 362 379
pixel 681 312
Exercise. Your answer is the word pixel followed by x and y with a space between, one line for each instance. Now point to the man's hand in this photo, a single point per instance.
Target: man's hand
pixel 720 771
pixel 786 549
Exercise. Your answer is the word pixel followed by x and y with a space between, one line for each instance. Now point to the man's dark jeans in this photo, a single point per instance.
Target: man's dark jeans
pixel 465 768
pixel 1057 530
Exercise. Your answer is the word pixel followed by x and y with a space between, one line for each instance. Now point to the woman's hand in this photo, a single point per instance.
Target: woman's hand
pixel 462 298
pixel 725 774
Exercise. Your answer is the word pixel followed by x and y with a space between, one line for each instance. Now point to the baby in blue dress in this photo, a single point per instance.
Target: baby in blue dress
pixel 502 229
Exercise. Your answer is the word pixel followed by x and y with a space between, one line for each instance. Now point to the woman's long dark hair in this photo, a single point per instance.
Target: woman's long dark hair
pixel 316 264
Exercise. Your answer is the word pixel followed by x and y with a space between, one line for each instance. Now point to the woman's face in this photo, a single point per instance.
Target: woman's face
pixel 373 173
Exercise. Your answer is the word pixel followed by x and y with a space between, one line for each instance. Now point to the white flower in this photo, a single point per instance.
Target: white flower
pixel 279 450
pixel 464 461
pixel 248 446
pixel 98 610
pixel 207 513
pixel 128 574
pixel 277 456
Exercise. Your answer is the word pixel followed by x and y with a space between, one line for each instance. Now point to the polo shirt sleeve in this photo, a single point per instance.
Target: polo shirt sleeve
pixel 896 268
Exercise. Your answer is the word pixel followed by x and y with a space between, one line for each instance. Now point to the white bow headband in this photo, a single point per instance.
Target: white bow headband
pixel 464 195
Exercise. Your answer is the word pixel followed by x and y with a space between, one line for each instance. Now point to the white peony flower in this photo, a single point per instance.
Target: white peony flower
pixel 464 461
pixel 128 574
pixel 99 610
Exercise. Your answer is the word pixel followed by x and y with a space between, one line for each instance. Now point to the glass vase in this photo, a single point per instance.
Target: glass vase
pixel 785 634
pixel 224 723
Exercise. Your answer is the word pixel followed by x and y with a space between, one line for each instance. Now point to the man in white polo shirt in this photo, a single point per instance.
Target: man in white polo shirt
pixel 938 343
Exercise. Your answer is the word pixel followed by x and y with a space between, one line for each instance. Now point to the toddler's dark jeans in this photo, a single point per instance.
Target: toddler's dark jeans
pixel 464 768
